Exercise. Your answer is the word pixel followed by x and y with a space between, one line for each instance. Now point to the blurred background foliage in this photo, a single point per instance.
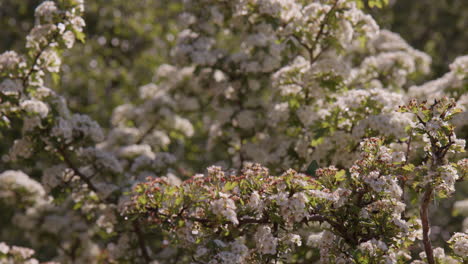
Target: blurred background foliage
pixel 127 40
pixel 435 27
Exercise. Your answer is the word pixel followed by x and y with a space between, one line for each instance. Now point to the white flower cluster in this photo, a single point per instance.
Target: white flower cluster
pixel 78 126
pixel 439 255
pixel 292 208
pixel 225 207
pixel 22 148
pixel 11 87
pixel 15 254
pixel 56 175
pixel 35 107
pixel 461 207
pixel 444 179
pixel 233 252
pixel 459 242
pixel 17 185
pixel 102 160
pixel 265 242
pixel 373 247
pixel 451 84
pixel 53 26
pixel 46 11
pixel 9 60
pixel 324 241
pixel 150 127
pixel 390 63
pixel 449 176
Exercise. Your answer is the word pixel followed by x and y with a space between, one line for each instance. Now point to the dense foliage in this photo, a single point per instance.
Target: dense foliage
pixel 320 140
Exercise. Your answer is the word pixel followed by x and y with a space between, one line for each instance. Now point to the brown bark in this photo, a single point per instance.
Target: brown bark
pixel 424 211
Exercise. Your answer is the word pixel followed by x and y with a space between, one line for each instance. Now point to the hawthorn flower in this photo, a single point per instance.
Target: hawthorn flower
pixel 459 67
pixel 225 207
pixel 9 60
pixel 294 239
pixel 255 202
pixel 461 207
pixel 314 239
pixel 87 127
pixel 22 252
pixel 375 181
pixel 46 10
pixel 69 39
pixel 434 126
pixel 30 190
pixel 459 243
pixel 63 129
pixel 265 241
pixel 22 148
pixel 297 207
pixel 38 37
pixel 101 159
pixel 398 156
pixel 10 87
pixel 35 107
pixel 448 176
pixel 183 125
pixel 54 176
pixel 78 23
pixel 373 246
pixel 4 248
pixel 341 196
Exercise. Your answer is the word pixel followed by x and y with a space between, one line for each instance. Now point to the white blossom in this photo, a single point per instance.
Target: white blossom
pixel 9 60
pixel 46 10
pixel 35 107
pixel 21 183
pixel 265 241
pixel 225 207
pixel 460 244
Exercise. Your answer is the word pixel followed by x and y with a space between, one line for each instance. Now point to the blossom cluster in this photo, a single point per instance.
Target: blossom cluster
pixel 287 84
pixel 15 254
pixel 358 207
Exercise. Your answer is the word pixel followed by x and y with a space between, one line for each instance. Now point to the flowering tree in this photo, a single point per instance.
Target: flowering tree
pixel 353 150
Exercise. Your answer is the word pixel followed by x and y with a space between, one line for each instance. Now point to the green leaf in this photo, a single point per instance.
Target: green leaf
pixel 142 200
pixel 55 78
pixel 313 166
pixel 294 103
pixel 80 36
pixel 360 4
pixel 229 186
pixel 408 167
pixel 316 142
pixel 340 176
pixel 179 200
pixel 378 3
pixel 77 206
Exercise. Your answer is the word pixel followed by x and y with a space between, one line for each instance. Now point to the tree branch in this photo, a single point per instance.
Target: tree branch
pixel 141 242
pixel 426 225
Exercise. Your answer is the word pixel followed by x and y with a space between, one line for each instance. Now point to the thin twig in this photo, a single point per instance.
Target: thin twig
pixel 408 149
pixel 320 32
pixel 77 171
